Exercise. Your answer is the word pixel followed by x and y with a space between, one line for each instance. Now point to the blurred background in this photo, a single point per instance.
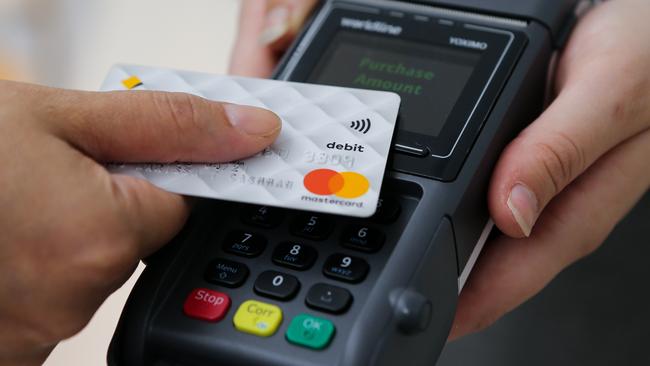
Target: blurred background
pixel 73 44
pixel 595 313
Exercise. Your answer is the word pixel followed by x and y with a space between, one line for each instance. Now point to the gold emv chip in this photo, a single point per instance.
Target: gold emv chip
pixel 132 82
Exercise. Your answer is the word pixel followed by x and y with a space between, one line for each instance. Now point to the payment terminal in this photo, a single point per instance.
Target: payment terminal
pixel 250 285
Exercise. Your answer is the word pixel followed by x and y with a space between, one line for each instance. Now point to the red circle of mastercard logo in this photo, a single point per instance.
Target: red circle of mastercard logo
pixel 325 182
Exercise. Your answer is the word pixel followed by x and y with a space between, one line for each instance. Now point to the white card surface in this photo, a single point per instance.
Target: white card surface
pixel 330 156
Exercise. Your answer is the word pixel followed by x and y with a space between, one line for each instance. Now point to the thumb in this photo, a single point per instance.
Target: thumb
pixel 148 127
pixel 580 126
pixel 602 101
pixel 158 126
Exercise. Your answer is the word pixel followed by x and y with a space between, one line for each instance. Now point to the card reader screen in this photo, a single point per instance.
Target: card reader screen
pixel 429 78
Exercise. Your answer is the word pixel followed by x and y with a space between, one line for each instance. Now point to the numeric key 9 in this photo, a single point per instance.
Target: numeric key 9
pixel 346 268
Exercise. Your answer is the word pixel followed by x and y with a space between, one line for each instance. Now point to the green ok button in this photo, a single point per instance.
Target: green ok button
pixel 310 331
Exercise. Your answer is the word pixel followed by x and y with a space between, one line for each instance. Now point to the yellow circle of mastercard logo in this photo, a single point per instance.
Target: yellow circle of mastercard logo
pixel 325 182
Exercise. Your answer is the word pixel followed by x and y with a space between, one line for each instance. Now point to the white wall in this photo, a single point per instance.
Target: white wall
pixel 73 43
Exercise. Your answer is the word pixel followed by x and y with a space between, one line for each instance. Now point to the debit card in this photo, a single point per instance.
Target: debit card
pixel 330 155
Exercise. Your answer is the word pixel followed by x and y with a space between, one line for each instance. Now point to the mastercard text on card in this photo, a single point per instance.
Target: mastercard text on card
pixel 330 156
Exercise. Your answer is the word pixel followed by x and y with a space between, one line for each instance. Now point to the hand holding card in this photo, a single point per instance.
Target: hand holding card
pixel 330 156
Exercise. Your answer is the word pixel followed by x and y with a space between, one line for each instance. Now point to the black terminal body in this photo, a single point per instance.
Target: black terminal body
pixel 353 292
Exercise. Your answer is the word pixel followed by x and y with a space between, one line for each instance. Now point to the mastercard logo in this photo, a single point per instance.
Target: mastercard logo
pixel 325 182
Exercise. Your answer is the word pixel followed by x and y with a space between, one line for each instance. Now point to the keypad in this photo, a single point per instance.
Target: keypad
pixel 328 298
pixel 277 285
pixel 312 226
pixel 244 243
pixel 226 273
pixel 263 216
pixel 296 241
pixel 294 255
pixel 363 238
pixel 346 268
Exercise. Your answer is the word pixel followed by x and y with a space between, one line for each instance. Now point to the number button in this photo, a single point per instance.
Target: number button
pixel 294 255
pixel 388 210
pixel 276 285
pixel 363 238
pixel 244 243
pixel 328 298
pixel 346 268
pixel 226 273
pixel 312 226
pixel 262 216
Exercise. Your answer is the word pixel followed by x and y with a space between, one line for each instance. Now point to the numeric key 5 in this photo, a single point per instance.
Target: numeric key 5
pixel 312 226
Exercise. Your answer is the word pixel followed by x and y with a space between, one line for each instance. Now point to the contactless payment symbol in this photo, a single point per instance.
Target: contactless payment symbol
pixel 325 182
pixel 361 125
pixel 132 82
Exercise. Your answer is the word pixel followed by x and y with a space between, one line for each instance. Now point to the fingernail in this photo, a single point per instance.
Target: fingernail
pixel 523 205
pixel 277 25
pixel 251 120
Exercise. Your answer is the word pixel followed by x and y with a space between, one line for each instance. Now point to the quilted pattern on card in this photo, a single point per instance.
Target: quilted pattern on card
pixel 313 116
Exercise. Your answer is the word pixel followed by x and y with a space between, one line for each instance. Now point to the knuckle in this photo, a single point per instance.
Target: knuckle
pixel 121 249
pixel 627 89
pixel 113 253
pixel 561 159
pixel 183 111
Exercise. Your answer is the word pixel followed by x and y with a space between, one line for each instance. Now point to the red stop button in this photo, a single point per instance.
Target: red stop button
pixel 206 304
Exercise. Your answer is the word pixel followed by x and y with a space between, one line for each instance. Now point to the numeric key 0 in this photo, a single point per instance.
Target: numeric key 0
pixel 346 268
pixel 276 285
pixel 294 255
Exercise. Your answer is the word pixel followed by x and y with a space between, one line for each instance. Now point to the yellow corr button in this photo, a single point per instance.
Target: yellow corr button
pixel 258 318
